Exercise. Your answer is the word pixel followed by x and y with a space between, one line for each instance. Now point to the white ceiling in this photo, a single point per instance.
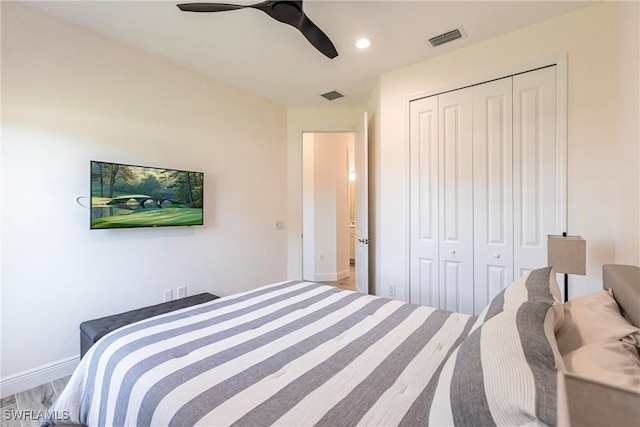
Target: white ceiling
pixel 248 50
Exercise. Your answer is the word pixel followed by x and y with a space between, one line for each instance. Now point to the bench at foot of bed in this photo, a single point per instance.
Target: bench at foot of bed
pixel 92 330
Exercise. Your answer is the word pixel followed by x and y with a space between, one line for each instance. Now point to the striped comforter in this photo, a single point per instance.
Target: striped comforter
pixel 291 353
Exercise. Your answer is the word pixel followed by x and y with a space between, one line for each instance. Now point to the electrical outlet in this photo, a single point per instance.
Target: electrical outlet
pixel 279 225
pixel 168 295
pixel 391 289
pixel 182 291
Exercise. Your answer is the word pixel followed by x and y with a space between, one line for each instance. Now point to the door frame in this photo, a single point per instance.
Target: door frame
pixel 299 121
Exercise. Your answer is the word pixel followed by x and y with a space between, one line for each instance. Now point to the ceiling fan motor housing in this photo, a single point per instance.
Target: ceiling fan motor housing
pixel 288 12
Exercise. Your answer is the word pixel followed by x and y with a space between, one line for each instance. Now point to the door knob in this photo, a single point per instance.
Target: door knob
pixel 497 255
pixel 365 241
pixel 453 251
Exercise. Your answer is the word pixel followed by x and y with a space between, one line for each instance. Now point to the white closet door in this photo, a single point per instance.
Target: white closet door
pixel 456 200
pixel 424 230
pixel 536 167
pixel 493 190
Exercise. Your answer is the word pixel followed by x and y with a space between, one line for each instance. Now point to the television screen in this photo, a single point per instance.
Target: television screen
pixel 127 196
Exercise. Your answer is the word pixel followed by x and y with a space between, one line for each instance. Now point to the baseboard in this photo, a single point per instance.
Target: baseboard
pixel 42 374
pixel 327 277
pixel 320 277
pixel 343 274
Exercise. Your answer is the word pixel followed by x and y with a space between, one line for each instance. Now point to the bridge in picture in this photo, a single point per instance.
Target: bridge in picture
pixel 142 199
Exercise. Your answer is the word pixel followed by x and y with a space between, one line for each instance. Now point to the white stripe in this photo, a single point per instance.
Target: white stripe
pixel 313 407
pixel 441 414
pixel 182 394
pixel 392 406
pixel 512 400
pixel 234 408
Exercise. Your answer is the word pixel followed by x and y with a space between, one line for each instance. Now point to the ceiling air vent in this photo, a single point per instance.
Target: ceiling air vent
pixel 445 38
pixel 334 94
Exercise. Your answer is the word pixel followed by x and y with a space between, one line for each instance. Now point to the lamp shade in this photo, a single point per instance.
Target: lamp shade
pixel 567 254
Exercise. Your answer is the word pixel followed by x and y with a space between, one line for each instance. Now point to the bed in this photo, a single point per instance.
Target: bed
pixel 300 353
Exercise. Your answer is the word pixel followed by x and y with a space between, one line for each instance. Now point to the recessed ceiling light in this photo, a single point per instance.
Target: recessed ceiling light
pixel 363 43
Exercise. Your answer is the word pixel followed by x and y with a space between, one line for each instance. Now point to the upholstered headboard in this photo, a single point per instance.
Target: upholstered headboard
pixel 586 402
pixel 624 281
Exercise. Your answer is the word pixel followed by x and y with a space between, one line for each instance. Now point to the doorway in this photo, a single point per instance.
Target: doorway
pixel 328 212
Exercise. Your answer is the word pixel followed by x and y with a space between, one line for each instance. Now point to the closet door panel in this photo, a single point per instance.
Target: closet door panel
pixel 456 200
pixel 424 230
pixel 536 168
pixel 485 188
pixel 493 190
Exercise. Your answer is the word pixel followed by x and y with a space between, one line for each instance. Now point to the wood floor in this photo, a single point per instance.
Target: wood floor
pixel 348 283
pixel 22 409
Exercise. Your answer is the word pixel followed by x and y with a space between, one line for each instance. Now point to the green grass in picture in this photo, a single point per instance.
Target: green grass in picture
pixel 156 217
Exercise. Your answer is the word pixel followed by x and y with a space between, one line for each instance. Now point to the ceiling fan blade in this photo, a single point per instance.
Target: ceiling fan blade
pixel 208 7
pixel 317 38
pixel 285 11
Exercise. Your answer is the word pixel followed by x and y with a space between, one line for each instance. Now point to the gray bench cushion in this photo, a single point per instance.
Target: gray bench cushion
pixel 92 330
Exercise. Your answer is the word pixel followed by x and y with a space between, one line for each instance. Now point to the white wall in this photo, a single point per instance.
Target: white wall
pixel 597 138
pixel 308 207
pixel 69 96
pixel 335 147
pixel 627 218
pixel 325 205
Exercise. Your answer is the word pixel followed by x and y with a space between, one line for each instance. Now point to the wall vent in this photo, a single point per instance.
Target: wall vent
pixel 334 94
pixel 445 38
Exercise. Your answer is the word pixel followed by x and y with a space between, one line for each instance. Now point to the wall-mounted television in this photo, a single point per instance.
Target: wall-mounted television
pixel 128 196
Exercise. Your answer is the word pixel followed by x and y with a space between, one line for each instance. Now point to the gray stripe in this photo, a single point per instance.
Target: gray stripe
pixel 197 408
pixel 496 307
pixel 281 402
pixel 469 404
pixel 102 345
pixel 539 355
pixel 537 285
pixel 359 401
pixel 418 413
pixel 145 365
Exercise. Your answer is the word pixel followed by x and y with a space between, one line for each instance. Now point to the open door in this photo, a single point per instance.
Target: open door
pixel 362 206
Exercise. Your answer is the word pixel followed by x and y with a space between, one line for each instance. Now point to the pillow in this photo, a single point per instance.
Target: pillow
pixel 536 285
pixel 610 361
pixel 504 372
pixel 592 318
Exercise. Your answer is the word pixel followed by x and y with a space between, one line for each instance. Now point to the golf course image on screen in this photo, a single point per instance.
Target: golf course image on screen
pixel 127 196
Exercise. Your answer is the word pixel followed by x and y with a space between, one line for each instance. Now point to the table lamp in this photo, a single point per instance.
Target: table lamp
pixel 568 255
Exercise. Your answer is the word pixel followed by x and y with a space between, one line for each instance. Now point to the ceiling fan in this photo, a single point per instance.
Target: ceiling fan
pixel 287 12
